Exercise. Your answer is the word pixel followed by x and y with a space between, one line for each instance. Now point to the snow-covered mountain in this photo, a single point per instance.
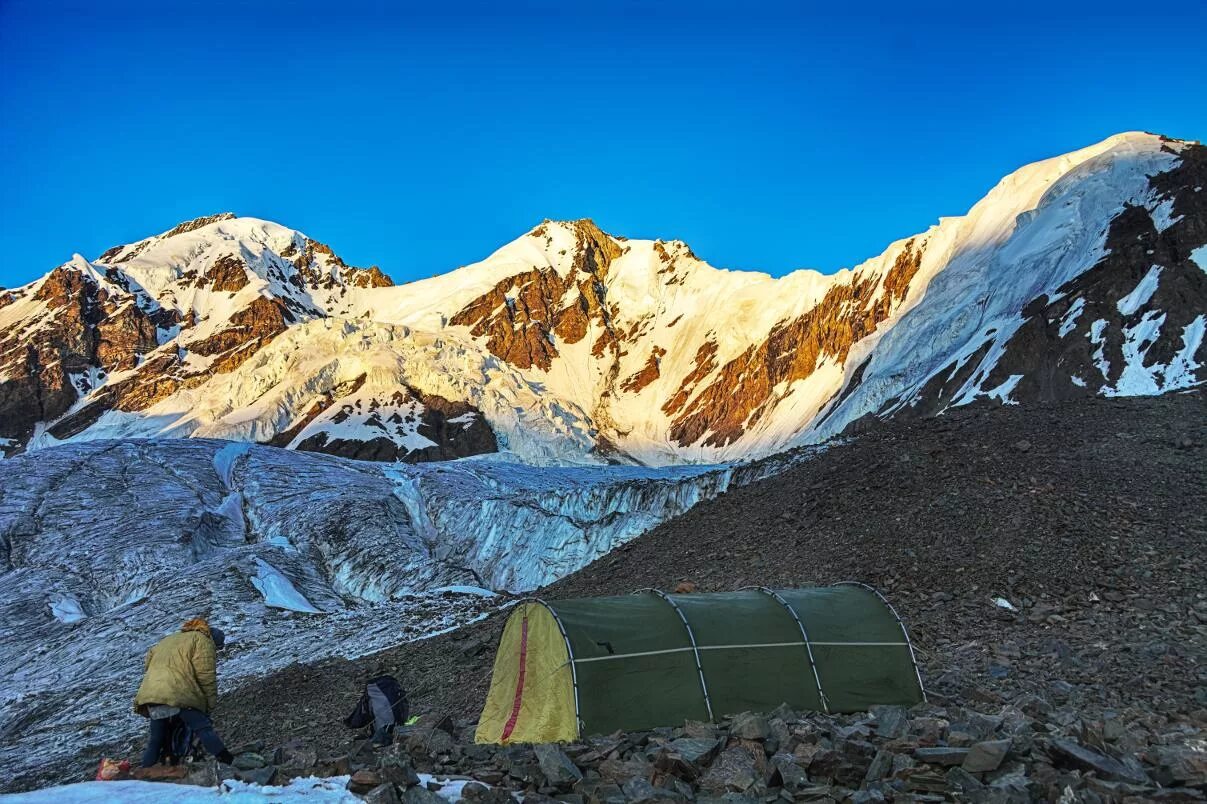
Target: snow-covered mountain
pixel 1079 275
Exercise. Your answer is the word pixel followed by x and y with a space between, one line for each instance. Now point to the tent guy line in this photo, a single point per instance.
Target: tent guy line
pixel 736 647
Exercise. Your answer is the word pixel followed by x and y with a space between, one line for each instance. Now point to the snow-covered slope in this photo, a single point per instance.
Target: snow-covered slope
pixel 570 345
pixel 107 545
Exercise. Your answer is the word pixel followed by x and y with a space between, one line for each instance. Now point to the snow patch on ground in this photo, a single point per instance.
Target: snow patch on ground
pixel 1144 291
pixel 1069 321
pixel 310 790
pixel 1163 215
pixel 1181 371
pixel 1199 256
pixel 1138 379
pixel 1096 338
pixel 1002 392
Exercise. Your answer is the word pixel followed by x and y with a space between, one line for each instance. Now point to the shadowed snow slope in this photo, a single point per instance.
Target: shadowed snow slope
pixel 105 546
pixel 1073 277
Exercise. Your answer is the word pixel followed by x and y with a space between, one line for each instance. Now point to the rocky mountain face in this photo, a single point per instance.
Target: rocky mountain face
pixel 1078 276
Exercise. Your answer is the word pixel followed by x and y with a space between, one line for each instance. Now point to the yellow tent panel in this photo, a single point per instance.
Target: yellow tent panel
pixel 531 697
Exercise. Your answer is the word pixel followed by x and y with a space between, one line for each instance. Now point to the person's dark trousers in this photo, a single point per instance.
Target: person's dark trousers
pixel 201 726
pixel 155 742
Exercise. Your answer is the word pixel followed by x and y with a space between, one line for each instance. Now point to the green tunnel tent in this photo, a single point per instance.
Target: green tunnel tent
pixel 566 668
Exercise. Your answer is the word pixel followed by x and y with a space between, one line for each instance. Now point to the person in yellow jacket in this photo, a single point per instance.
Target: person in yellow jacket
pixel 181 680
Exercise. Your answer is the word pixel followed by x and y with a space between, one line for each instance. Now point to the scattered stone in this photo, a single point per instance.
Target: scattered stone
pixel 364 780
pixel 249 761
pixel 296 754
pixel 735 770
pixel 261 776
pixel 421 795
pixel 696 750
pixel 986 756
pixel 1087 759
pixel 382 794
pixel 556 766
pixel 1180 764
pixel 748 726
pixel 787 774
pixel 941 755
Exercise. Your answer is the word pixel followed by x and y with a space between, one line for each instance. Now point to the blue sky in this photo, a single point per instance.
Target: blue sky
pixel 769 137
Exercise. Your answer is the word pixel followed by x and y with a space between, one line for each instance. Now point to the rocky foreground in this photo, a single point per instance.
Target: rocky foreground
pixel 1020 752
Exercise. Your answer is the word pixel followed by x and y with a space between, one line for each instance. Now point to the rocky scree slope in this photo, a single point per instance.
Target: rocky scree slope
pixel 1087 518
pixel 1078 276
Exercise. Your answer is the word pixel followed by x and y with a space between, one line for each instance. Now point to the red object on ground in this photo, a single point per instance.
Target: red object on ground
pixel 111 769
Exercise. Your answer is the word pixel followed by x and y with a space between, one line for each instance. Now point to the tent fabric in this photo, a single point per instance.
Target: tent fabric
pixel 571 667
pixel 531 696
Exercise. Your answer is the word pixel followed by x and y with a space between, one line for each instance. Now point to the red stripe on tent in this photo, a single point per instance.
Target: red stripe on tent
pixel 519 684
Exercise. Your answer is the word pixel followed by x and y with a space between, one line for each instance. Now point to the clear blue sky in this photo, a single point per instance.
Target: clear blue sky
pixel 768 137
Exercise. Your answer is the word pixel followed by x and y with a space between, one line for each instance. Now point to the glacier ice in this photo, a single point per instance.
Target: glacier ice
pixel 295 555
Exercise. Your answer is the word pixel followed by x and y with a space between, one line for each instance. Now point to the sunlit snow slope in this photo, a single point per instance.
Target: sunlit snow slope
pixel 1079 275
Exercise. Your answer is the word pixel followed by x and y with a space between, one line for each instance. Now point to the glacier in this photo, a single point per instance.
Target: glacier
pixel 106 546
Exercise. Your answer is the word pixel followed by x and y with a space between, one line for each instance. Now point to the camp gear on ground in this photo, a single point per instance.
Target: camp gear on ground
pixel 180 671
pixel 111 769
pixel 567 668
pixel 382 704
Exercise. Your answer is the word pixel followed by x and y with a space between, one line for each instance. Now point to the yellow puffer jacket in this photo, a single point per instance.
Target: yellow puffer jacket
pixel 180 671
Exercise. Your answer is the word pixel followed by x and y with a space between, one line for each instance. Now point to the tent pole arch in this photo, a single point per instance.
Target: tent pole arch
pixel 692 638
pixel 821 694
pixel 900 624
pixel 578 719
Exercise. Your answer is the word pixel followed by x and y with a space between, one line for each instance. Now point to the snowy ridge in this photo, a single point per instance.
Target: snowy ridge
pixel 575 346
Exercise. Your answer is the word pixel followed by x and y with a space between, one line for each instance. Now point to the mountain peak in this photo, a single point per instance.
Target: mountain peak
pixel 197 223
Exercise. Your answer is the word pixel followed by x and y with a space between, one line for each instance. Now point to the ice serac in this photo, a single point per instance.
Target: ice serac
pixel 1078 275
pixel 106 545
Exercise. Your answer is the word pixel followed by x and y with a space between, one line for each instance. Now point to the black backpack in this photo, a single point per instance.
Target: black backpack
pixel 181 744
pixel 362 715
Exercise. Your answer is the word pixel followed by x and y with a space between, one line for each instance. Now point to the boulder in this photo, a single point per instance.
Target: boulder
pixel 735 770
pixel 421 795
pixel 296 754
pixel 364 780
pixel 249 761
pixel 1072 754
pixel 556 766
pixel 786 773
pixel 696 750
pixel 986 756
pixel 382 794
pixel 1179 764
pixel 261 776
pixel 748 726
